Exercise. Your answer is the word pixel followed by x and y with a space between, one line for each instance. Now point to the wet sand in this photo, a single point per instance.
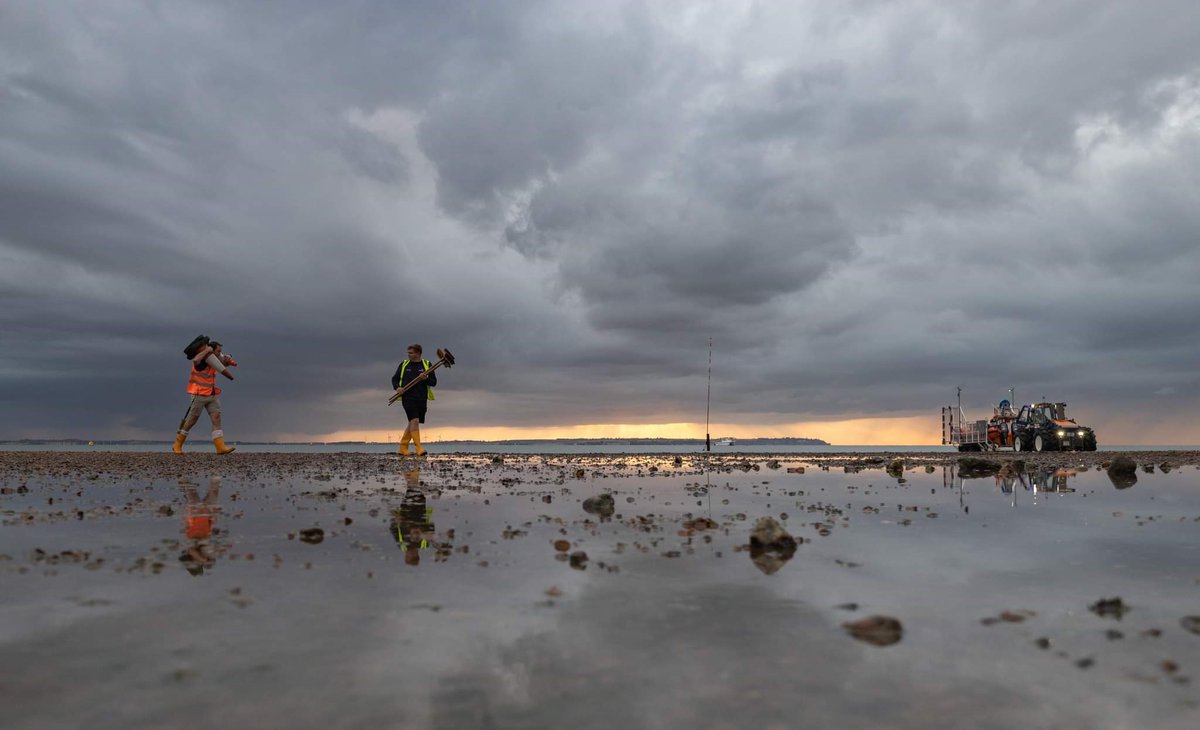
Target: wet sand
pixel 68 464
pixel 355 590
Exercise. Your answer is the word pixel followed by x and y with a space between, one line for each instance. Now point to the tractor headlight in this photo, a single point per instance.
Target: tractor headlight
pixel 1082 433
pixel 1062 433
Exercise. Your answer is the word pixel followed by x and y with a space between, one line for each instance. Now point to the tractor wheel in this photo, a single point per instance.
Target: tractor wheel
pixel 1017 446
pixel 1038 443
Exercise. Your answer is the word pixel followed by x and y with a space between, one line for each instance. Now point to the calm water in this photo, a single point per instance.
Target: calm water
pixel 436 598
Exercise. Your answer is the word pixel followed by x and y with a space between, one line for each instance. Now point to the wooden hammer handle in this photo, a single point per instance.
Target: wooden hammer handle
pixel 396 396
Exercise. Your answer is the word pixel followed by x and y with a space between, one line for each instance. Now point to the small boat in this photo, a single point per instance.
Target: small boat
pixel 723 442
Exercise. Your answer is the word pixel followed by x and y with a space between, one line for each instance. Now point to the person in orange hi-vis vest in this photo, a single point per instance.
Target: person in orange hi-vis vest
pixel 207 359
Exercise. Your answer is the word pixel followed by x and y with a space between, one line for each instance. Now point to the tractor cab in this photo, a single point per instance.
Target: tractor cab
pixel 1044 413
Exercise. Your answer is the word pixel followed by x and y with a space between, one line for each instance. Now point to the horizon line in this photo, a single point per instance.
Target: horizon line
pixel 444 441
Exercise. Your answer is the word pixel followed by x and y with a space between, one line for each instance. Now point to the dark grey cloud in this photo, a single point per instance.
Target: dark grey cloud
pixel 864 204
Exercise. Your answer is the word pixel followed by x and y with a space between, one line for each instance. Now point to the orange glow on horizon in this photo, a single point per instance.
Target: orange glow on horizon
pixel 911 431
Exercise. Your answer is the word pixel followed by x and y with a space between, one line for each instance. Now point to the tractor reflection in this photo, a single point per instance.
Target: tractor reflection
pixel 1049 479
pixel 1013 480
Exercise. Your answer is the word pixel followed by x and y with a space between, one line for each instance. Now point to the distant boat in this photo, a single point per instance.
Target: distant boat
pixel 724 442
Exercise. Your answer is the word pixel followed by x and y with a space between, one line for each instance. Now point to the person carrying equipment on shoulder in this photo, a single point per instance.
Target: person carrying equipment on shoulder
pixel 415 400
pixel 207 359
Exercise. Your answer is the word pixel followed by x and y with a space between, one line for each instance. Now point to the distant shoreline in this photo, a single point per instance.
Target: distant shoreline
pixel 764 441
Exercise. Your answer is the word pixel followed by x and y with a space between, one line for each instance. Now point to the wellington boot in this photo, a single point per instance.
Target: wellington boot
pixel 179 439
pixel 219 442
pixel 403 451
pixel 417 443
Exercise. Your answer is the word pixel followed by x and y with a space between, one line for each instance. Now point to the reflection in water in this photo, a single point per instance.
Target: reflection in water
pixel 412 525
pixel 1122 480
pixel 696 641
pixel 770 545
pixel 770 562
pixel 1052 479
pixel 711 655
pixel 1045 480
pixel 700 526
pixel 199 525
pixel 649 657
pixel 602 506
pixel 1014 479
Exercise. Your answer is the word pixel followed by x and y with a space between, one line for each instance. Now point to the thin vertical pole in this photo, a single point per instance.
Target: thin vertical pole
pixel 708 401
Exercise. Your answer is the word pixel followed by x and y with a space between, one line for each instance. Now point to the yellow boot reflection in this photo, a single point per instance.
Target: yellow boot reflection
pixel 412 525
pixel 199 525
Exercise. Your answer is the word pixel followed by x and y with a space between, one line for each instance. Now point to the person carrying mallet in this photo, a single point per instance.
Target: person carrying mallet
pixel 415 399
pixel 207 359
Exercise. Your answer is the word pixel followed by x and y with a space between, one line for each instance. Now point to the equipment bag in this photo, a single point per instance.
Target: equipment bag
pixel 195 346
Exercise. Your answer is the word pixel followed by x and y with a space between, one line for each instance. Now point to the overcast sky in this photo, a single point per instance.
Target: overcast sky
pixel 864 204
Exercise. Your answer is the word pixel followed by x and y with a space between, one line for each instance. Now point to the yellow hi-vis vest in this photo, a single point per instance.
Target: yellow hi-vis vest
pixel 428 388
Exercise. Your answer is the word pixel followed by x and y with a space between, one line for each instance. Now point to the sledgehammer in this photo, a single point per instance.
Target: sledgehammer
pixel 445 357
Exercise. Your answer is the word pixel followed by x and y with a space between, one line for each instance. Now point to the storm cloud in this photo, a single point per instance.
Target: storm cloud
pixel 864 204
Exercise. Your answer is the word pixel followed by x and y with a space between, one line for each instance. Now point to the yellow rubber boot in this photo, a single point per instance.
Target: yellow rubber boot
pixel 416 437
pixel 403 451
pixel 219 442
pixel 180 437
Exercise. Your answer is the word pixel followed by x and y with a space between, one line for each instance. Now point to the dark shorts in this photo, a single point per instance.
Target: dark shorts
pixel 415 408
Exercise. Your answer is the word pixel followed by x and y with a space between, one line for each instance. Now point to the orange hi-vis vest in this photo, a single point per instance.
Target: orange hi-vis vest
pixel 203 382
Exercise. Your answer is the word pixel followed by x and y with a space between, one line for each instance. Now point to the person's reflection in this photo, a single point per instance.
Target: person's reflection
pixel 1053 479
pixel 412 525
pixel 199 525
pixel 1059 480
pixel 1009 477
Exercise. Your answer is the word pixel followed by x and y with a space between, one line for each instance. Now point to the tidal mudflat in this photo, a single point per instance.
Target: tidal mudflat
pixel 354 590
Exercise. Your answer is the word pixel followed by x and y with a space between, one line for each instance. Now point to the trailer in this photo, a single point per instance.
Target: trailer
pixel 983 434
pixel 958 431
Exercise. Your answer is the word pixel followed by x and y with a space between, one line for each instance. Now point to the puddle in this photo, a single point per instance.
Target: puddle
pixel 457 592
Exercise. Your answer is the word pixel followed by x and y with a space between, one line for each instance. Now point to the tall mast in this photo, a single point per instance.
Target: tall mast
pixel 708 401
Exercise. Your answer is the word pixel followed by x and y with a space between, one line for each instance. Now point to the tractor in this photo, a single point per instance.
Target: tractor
pixel 1036 427
pixel 1046 427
